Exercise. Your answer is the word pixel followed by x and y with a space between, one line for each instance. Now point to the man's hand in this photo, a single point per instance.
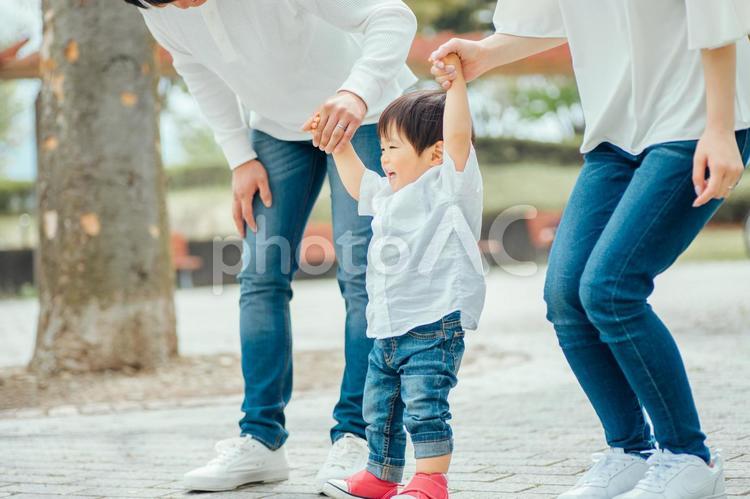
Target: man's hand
pixel 247 179
pixel 718 152
pixel 472 61
pixel 340 117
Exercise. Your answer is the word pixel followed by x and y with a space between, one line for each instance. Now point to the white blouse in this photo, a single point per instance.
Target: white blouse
pixel 423 261
pixel 637 62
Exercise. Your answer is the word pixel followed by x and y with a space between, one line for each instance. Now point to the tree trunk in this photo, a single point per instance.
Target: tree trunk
pixel 105 275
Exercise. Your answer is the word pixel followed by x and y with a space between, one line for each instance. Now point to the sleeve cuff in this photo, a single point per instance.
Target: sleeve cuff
pixel 238 150
pixel 365 86
pixel 716 23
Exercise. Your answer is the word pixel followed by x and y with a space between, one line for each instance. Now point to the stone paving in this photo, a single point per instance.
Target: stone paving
pixel 523 427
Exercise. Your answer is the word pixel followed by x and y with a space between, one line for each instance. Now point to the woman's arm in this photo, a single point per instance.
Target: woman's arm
pixel 350 167
pixel 478 57
pixel 457 117
pixel 717 149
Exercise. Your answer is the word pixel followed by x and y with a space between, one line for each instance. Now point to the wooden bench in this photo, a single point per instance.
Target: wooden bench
pixel 183 262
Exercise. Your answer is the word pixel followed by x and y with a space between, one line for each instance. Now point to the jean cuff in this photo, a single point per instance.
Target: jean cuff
pixel 389 469
pixel 270 444
pixel 433 444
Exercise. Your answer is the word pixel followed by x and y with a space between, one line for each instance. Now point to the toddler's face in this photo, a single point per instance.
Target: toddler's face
pixel 401 163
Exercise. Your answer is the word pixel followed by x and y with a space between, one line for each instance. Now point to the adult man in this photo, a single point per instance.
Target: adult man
pixel 283 59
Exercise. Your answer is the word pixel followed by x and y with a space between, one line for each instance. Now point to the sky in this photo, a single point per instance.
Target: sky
pixel 19 18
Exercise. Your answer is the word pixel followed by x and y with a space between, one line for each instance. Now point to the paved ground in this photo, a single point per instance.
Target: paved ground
pixel 523 428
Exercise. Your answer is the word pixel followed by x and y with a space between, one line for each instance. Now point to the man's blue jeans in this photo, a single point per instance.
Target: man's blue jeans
pixel 296 171
pixel 627 220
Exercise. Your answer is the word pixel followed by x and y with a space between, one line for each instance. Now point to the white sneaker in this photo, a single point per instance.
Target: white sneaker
pixel 680 476
pixel 347 456
pixel 613 472
pixel 240 460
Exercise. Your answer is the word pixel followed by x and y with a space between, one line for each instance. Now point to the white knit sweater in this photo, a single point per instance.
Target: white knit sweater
pixel 281 59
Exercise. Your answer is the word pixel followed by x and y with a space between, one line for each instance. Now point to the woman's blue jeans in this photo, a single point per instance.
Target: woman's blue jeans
pixel 296 171
pixel 627 220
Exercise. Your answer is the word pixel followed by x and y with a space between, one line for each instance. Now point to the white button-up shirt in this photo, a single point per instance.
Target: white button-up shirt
pixel 281 59
pixel 423 261
pixel 638 63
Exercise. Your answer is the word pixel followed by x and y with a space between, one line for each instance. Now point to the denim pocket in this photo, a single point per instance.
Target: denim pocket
pixel 426 334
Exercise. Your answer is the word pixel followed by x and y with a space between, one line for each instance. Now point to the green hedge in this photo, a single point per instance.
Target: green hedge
pixel 189 176
pixel 16 196
pixel 498 151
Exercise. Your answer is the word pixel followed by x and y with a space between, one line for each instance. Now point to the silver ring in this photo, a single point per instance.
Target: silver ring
pixel 339 125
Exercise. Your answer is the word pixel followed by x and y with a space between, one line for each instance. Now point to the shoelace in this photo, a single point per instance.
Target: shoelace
pixel 343 453
pixel 605 465
pixel 229 449
pixel 663 465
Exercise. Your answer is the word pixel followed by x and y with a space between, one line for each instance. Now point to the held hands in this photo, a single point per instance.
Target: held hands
pixel 717 151
pixel 247 180
pixel 311 125
pixel 338 120
pixel 468 52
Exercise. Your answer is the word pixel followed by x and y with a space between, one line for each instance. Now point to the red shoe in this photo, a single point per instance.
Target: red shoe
pixel 362 485
pixel 425 486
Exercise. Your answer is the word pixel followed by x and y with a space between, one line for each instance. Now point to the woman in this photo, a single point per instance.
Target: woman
pixel 665 89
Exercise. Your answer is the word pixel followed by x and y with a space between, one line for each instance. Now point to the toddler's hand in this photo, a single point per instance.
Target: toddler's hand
pixel 312 124
pixel 456 56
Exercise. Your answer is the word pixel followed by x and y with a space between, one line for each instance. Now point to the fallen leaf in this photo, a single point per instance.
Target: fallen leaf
pixel 90 224
pixel 128 99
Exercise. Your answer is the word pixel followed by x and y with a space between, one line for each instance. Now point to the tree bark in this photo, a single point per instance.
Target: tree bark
pixel 104 269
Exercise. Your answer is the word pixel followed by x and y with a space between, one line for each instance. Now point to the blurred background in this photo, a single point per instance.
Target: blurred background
pixel 527 116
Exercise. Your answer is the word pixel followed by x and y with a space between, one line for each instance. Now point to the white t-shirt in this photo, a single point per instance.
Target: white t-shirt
pixel 281 59
pixel 423 261
pixel 638 63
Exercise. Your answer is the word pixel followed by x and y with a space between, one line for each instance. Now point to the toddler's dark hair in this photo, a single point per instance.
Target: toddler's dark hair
pixel 417 117
pixel 139 3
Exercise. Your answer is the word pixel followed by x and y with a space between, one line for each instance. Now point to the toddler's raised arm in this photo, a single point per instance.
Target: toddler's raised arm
pixel 457 127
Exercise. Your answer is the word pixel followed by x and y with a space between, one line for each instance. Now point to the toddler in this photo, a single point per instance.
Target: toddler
pixel 425 284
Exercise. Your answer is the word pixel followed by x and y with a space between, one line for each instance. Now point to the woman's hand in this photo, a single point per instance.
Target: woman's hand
pixel 717 151
pixel 472 61
pixel 481 56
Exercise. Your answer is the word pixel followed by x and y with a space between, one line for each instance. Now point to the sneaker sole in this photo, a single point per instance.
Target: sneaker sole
pixel 219 485
pixel 337 493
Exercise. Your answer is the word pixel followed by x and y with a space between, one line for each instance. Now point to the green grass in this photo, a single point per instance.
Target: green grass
pixel 717 243
pixel 545 187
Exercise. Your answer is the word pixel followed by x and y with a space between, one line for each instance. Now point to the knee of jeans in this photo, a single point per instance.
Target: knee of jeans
pixel 351 257
pixel 598 293
pixel 426 407
pixel 271 282
pixel 372 407
pixel 560 295
pixel 352 286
